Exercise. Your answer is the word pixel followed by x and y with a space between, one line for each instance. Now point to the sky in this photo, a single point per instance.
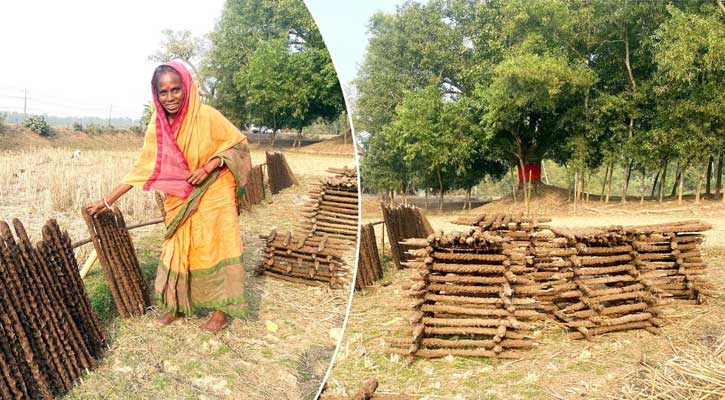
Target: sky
pixel 344 28
pixel 86 58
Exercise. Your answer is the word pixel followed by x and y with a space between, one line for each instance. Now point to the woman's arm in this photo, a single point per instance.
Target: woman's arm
pixel 99 205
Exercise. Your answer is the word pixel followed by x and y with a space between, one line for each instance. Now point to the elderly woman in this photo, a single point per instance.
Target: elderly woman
pixel 201 161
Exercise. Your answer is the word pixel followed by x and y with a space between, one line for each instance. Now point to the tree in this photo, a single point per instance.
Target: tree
pixel 524 102
pixel 244 27
pixel 182 45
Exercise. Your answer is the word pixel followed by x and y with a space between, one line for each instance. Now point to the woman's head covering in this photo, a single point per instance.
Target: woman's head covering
pixel 171 168
pixel 171 151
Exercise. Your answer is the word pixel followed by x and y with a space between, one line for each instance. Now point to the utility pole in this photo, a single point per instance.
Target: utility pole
pixel 109 115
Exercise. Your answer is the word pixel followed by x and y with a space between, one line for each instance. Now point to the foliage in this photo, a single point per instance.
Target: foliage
pixel 584 84
pixel 148 113
pixel 77 126
pixel 182 45
pixel 37 124
pixel 269 64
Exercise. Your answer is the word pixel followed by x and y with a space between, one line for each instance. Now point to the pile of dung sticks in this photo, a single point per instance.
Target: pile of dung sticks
pixel 669 256
pixel 366 392
pixel 254 190
pixel 404 222
pixel 279 173
pixel 49 334
pixel 505 223
pixel 333 210
pixel 470 298
pixel 314 254
pixel 504 274
pixel 369 267
pixel 310 260
pixel 119 262
pixel 604 292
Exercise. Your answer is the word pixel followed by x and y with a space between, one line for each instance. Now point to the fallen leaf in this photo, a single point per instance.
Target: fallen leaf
pixel 271 326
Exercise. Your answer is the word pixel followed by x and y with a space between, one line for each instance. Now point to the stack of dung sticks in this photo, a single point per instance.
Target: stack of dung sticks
pixel 604 292
pixel 477 293
pixel 369 268
pixel 404 222
pixel 304 259
pixel 333 210
pixel 470 298
pixel 279 173
pixel 119 262
pixel 314 254
pixel 669 256
pixel 49 334
pixel 254 190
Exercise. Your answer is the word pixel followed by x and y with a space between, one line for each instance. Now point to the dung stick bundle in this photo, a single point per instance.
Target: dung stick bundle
pixel 279 173
pixel 369 268
pixel 118 258
pixel 404 222
pixel 49 334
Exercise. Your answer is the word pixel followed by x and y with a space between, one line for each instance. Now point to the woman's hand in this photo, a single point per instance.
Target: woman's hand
pixel 197 176
pixel 96 207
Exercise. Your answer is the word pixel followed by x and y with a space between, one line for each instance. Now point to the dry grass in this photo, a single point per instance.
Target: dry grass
pixel 618 365
pixel 247 360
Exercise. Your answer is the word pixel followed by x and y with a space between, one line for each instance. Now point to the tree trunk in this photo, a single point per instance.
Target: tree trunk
pixel 609 182
pixel 514 184
pixel 274 136
pixel 718 176
pixel 709 175
pixel 705 170
pixel 440 187
pixel 663 181
pixel 523 175
pixel 677 180
pixel 625 186
pixel 426 198
pixel 682 184
pixel 641 188
pixel 604 182
pixel 654 184
pixel 576 192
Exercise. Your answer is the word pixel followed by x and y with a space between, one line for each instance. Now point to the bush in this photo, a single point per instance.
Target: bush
pixel 78 127
pixel 94 129
pixel 37 124
pixel 136 129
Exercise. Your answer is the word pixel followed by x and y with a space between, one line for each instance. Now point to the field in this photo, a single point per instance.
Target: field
pixel 281 351
pixel 629 365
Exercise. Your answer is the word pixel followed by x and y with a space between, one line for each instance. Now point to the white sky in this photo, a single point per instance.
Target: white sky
pixel 344 26
pixel 77 58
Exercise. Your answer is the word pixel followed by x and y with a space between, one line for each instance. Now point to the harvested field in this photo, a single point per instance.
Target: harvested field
pixel 614 365
pixel 281 351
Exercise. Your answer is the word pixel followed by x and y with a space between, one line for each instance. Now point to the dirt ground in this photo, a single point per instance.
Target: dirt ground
pixel 610 366
pixel 282 350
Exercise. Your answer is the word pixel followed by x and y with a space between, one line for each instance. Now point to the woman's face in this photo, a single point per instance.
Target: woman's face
pixel 170 92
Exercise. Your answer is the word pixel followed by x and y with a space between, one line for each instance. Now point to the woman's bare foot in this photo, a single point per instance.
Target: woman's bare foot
pixel 216 322
pixel 168 318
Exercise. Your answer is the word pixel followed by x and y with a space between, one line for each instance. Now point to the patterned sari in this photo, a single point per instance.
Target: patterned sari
pixel 201 261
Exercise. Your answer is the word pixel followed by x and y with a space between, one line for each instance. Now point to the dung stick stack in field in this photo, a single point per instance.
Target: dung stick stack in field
pixel 502 222
pixel 468 298
pixel 333 210
pixel 369 268
pixel 311 260
pixel 669 256
pixel 605 292
pixel 404 222
pixel 254 191
pixel 279 173
pixel 49 334
pixel 367 392
pixel 118 258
